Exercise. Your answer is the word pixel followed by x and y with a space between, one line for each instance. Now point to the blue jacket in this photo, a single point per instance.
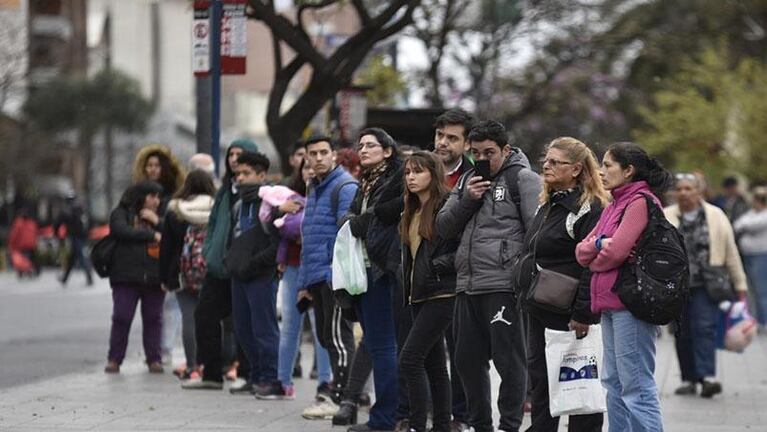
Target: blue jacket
pixel 320 226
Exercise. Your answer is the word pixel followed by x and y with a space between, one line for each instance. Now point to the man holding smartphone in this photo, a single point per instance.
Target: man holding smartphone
pixel 489 210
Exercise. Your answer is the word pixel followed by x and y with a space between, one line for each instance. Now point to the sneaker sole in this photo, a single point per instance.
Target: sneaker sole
pixel 327 417
pixel 274 397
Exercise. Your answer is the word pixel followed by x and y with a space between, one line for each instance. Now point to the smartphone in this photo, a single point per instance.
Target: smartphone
pixel 482 169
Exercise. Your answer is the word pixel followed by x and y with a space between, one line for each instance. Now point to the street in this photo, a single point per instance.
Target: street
pixel 52 349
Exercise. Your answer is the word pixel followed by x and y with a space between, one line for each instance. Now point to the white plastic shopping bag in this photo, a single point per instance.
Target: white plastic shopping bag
pixel 574 367
pixel 349 272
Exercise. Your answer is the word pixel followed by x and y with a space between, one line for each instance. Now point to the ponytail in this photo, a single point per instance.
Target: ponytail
pixel 646 168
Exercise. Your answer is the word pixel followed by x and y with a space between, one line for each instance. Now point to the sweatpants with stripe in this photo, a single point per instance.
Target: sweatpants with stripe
pixel 335 334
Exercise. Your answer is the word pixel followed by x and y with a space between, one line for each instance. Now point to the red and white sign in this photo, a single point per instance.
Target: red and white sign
pixel 352 110
pixel 234 46
pixel 201 39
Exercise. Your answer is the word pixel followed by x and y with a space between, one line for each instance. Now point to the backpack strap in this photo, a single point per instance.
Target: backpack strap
pixel 336 192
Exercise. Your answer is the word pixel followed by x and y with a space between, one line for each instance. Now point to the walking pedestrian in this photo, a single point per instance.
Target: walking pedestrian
pixel 570 204
pixel 74 219
pixel 134 273
pixel 629 343
pixel 215 299
pixel 751 231
pixel 328 198
pixel 490 212
pixel 429 287
pixel 731 200
pixel 289 261
pixel 182 267
pixel 714 259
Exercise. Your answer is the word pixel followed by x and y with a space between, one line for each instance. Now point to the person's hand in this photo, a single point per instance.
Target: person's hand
pixel 281 267
pixel 164 288
pixel 477 187
pixel 304 294
pixel 157 237
pixel 290 206
pixel 149 216
pixel 581 329
pixel 606 242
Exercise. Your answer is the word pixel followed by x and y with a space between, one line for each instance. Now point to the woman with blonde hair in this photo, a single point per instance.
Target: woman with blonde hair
pixel 570 205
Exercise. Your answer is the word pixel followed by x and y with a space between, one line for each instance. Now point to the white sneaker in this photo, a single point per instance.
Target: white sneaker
pixel 321 410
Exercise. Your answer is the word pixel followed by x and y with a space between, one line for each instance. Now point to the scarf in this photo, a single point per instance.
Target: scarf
pixel 248 192
pixel 370 177
pixel 608 224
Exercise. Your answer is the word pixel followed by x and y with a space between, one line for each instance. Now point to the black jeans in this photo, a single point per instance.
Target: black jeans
pixel 77 256
pixel 215 304
pixel 359 372
pixel 335 334
pixel 488 327
pixel 541 420
pixel 424 355
pixel 460 408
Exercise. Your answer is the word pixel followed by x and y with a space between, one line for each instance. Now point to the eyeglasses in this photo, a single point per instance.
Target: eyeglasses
pixel 554 163
pixel 367 145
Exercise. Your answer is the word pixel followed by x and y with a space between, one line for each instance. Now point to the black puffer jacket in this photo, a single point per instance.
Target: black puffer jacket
pixel 558 227
pixel 432 274
pixel 132 263
pixel 378 223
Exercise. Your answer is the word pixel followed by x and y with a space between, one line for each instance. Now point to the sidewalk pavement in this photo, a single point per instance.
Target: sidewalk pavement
pixel 136 400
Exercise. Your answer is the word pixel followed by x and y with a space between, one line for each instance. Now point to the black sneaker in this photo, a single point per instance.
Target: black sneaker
pixel 346 415
pixel 687 389
pixel 324 392
pixel 710 388
pixel 273 391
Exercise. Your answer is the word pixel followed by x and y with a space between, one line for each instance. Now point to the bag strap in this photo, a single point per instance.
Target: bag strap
pixel 334 198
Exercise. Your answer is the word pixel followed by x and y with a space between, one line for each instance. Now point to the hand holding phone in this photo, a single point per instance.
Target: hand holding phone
pixel 482 169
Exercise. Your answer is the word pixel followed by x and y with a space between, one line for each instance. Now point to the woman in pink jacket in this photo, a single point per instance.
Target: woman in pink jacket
pixel 629 343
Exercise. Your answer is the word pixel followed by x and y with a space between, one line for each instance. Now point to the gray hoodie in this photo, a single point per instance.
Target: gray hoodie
pixel 491 229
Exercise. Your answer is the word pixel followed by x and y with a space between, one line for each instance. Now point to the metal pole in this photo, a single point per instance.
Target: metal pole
pixel 215 75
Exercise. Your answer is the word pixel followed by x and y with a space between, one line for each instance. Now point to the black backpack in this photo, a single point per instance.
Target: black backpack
pixel 654 284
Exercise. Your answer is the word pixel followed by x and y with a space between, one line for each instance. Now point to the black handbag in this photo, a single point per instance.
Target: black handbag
pixel 716 280
pixel 550 290
pixel 102 254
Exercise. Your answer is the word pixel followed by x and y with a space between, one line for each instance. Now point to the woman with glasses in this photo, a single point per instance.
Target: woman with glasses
pixel 372 216
pixel 715 267
pixel 631 176
pixel 570 204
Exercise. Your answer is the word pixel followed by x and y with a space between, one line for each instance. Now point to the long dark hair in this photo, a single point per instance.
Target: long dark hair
pixel 197 182
pixel 297 183
pixel 422 160
pixel 134 196
pixel 385 140
pixel 168 172
pixel 645 167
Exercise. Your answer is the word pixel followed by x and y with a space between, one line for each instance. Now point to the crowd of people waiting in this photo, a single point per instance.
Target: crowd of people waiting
pixel 453 239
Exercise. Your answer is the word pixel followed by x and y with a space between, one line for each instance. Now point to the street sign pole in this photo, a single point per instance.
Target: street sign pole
pixel 215 75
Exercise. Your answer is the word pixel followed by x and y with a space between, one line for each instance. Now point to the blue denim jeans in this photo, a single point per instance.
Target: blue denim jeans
pixel 254 312
pixel 290 333
pixel 374 309
pixel 756 267
pixel 629 365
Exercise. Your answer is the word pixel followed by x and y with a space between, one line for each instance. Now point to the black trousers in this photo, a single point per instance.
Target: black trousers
pixel 359 372
pixel 335 334
pixel 214 305
pixel 403 321
pixel 424 356
pixel 539 398
pixel 459 406
pixel 488 327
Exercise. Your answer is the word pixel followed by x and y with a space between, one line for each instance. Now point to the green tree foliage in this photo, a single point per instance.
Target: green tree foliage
pixel 710 117
pixel 387 85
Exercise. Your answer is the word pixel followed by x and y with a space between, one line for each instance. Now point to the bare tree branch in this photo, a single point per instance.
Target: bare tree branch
pixel 362 12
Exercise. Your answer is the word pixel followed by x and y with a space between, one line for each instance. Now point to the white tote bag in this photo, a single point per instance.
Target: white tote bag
pixel 349 272
pixel 574 369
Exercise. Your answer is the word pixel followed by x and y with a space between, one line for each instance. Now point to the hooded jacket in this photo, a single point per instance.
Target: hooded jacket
pixel 195 211
pixel 220 221
pixel 132 262
pixel 491 229
pixel 177 171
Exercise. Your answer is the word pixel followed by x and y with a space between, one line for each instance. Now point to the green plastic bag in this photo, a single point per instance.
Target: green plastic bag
pixel 349 272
